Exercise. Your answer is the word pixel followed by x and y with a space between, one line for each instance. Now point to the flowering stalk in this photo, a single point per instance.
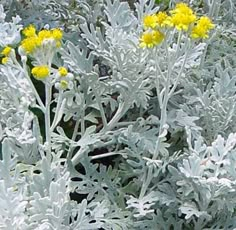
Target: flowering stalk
pixel 180 72
pixel 168 92
pixel 184 20
pixel 48 90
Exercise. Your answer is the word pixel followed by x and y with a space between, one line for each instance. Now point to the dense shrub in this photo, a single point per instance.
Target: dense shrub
pixel 117 115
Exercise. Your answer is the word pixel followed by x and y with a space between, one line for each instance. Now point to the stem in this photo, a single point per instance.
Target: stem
pixel 180 73
pixel 203 57
pixel 82 126
pixel 124 123
pixel 75 132
pixel 212 8
pixel 119 113
pixel 32 86
pixel 103 116
pixel 77 156
pixel 211 12
pixel 158 66
pixel 105 155
pixel 57 110
pixel 178 43
pixel 157 82
pixel 146 183
pixel 163 107
pixel 70 151
pixel 48 90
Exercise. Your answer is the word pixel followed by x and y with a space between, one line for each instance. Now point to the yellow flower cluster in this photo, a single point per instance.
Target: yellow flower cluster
pixel 4 60
pixel 29 31
pixel 200 30
pixel 40 72
pixel 33 40
pixel 6 53
pixel 161 18
pixel 181 17
pixel 151 38
pixel 155 20
pixel 62 71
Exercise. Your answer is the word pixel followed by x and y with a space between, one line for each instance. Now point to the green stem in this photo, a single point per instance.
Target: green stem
pixel 48 90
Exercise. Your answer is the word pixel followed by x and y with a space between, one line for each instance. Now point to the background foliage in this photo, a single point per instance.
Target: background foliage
pixel 101 173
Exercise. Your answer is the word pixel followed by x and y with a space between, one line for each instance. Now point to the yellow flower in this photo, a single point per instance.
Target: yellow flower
pixel 40 72
pixel 157 37
pixel 58 44
pixel 182 8
pixel 63 71
pixel 181 17
pixel 34 40
pixel 150 21
pixel 44 34
pixel 6 51
pixel 63 84
pixel 202 28
pixel 4 60
pixel 146 40
pixel 161 18
pixel 29 31
pixel 57 34
pixel 30 44
pixel 206 22
pixel 151 39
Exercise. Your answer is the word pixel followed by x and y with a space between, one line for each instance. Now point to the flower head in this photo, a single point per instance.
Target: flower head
pixel 40 72
pixel 63 84
pixel 6 51
pixel 4 60
pixel 201 30
pixel 29 31
pixel 157 37
pixel 151 38
pixel 62 71
pixel 57 34
pixel 150 21
pixel 30 44
pixel 182 8
pixel 44 34
pixel 34 40
pixel 182 17
pixel 161 18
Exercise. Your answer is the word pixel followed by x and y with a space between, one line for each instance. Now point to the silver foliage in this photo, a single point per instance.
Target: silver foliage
pixel 177 173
